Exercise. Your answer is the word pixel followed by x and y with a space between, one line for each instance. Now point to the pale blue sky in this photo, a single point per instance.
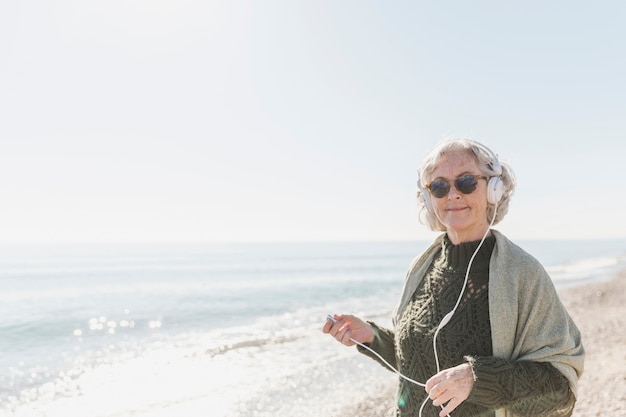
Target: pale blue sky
pixel 292 120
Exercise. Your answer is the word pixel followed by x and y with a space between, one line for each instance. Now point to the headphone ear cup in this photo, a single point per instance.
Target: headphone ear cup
pixel 495 190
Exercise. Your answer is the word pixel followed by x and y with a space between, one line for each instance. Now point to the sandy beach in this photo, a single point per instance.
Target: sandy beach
pixel 599 310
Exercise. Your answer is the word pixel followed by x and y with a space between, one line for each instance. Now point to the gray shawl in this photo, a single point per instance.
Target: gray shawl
pixel 528 320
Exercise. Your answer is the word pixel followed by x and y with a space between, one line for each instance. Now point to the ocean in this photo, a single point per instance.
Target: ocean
pixel 219 330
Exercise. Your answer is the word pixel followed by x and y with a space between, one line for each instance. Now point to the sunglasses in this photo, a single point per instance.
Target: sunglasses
pixel 465 184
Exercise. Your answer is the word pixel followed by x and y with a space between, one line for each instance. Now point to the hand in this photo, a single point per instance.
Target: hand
pixel 349 327
pixel 451 386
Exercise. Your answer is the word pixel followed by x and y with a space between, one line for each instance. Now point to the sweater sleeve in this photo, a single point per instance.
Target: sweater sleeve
pixel 383 344
pixel 527 388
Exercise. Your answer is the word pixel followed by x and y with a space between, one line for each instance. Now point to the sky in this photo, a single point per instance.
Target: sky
pixel 286 120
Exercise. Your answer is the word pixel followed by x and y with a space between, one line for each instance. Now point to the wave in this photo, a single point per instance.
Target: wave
pixel 252 343
pixel 585 270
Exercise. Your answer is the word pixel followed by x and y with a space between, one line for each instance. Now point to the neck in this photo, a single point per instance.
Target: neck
pixel 457 236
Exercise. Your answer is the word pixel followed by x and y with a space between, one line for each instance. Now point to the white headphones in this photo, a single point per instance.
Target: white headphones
pixel 495 186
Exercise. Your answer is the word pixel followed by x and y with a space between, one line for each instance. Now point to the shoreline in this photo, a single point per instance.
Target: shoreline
pixel 599 311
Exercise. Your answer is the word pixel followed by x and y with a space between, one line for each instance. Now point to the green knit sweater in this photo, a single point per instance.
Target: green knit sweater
pixel 525 387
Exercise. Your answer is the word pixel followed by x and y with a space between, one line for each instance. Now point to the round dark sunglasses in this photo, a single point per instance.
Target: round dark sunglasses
pixel 465 184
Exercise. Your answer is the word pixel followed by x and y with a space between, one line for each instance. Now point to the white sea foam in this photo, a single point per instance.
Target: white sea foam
pixel 584 270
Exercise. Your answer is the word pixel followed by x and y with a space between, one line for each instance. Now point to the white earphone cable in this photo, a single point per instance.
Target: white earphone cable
pixel 388 364
pixel 446 319
pixel 448 316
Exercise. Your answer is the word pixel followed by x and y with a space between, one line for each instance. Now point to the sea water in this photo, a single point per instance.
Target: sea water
pixel 210 330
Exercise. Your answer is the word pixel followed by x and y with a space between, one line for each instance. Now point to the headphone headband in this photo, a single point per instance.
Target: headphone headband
pixel 494 163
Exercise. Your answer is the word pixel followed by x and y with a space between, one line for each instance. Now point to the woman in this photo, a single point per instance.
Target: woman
pixel 479 322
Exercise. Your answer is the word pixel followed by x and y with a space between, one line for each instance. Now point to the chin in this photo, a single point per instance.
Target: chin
pixel 457 226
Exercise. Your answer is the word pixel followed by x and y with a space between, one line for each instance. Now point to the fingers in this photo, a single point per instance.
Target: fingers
pixel 452 404
pixel 440 396
pixel 450 387
pixel 339 329
pixel 327 326
pixel 344 335
pixel 430 384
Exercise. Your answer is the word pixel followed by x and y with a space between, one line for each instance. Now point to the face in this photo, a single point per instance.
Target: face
pixel 463 215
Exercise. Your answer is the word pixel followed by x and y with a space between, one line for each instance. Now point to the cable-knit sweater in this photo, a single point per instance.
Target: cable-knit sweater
pixel 528 388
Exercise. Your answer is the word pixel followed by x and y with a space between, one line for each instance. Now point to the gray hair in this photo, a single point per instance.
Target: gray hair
pixel 489 165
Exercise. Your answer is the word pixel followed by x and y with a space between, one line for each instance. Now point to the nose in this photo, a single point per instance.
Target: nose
pixel 453 193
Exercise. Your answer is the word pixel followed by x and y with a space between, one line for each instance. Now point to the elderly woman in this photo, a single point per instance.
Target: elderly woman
pixel 479 324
